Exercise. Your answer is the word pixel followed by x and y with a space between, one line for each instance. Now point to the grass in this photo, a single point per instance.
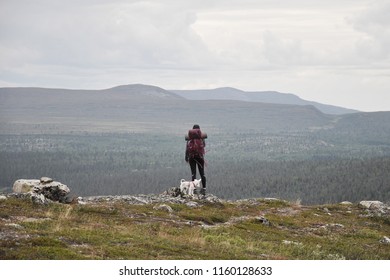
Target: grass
pixel 213 231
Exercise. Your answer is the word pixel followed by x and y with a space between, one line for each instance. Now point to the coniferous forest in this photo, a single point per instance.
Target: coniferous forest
pixel 293 167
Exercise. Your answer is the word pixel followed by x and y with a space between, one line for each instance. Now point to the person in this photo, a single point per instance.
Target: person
pixel 195 154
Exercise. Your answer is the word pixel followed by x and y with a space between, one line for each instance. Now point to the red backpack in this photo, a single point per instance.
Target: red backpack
pixel 195 144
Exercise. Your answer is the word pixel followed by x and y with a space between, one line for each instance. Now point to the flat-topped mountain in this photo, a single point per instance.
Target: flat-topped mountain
pixel 143 107
pixel 140 107
pixel 228 93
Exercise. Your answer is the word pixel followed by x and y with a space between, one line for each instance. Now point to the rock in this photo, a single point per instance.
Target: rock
pixel 80 200
pixel 17 226
pixel 371 204
pixel 340 226
pixel 3 197
pixel 24 186
pixel 249 201
pixel 212 199
pixel 45 180
pixel 262 220
pixel 288 242
pixel 346 203
pixel 192 204
pixel 38 198
pixel 164 198
pixel 385 240
pixel 163 207
pixel 175 192
pixel 46 187
pixel 271 199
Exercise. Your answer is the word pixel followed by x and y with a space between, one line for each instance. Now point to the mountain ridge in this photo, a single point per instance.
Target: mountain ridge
pixel 153 106
pixel 274 97
pixel 139 107
pixel 221 93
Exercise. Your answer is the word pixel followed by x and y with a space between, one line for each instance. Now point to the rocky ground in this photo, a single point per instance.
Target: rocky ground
pixel 172 226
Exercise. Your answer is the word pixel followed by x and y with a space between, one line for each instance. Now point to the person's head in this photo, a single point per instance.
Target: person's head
pixel 196 126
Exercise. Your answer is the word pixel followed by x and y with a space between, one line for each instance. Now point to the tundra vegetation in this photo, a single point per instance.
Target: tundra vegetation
pixel 244 229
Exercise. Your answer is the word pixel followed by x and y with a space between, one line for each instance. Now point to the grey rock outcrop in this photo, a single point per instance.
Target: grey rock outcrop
pixel 374 208
pixel 262 220
pixel 385 240
pixel 43 190
pixel 170 196
pixel 371 204
pixel 346 203
pixel 163 207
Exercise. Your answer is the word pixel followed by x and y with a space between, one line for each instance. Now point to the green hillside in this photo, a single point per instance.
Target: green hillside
pixel 109 228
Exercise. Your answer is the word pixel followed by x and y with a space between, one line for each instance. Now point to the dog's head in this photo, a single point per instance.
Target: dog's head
pixel 197 183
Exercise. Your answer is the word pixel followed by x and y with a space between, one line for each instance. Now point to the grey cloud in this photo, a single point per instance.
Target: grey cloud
pixel 374 23
pixel 136 33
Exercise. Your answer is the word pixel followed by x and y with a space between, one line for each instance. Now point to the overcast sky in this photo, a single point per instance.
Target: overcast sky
pixel 334 51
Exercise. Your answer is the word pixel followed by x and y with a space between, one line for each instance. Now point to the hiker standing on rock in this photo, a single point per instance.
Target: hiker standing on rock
pixel 195 154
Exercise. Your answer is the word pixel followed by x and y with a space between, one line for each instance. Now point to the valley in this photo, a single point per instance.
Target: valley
pixel 130 140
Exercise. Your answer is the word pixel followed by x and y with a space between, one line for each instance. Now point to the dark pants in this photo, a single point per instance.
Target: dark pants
pixel 200 163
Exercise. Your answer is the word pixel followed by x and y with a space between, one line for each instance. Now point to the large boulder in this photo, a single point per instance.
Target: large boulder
pixel 44 188
pixel 24 186
pixel 371 204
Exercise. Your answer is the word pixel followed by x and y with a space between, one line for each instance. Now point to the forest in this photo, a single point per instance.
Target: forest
pixel 314 168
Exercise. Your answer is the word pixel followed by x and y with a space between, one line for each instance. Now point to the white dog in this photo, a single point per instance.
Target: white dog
pixel 189 187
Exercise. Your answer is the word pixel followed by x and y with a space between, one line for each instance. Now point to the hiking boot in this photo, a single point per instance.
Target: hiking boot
pixel 203 191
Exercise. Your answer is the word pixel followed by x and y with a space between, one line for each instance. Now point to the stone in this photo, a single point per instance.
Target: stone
pixel 46 187
pixel 371 204
pixel 385 240
pixel 80 200
pixel 175 192
pixel 212 199
pixel 24 186
pixel 163 207
pixel 17 226
pixel 157 199
pixel 346 203
pixel 271 199
pixel 336 225
pixel 3 197
pixel 262 220
pixel 288 242
pixel 45 180
pixel 192 204
pixel 38 198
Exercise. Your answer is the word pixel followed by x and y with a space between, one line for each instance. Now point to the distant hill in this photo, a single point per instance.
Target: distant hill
pixel 143 107
pixel 42 97
pixel 149 108
pixel 228 93
pixel 143 92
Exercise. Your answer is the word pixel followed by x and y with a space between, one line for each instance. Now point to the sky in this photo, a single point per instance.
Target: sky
pixel 334 52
